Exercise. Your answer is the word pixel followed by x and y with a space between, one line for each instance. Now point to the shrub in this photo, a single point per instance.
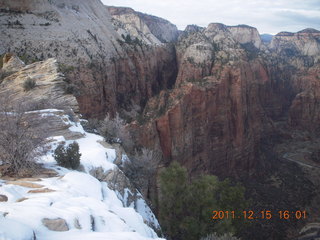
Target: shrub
pixel 185 208
pixel 114 131
pixel 29 84
pixel 91 125
pixel 69 89
pixel 22 139
pixel 63 68
pixel 141 169
pixel 68 157
pixel 4 74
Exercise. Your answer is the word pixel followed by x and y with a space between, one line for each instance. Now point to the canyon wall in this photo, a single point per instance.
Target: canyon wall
pixel 110 72
pixel 205 97
pixel 230 91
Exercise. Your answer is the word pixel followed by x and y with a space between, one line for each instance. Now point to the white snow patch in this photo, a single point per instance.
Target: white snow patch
pixel 12 230
pixel 77 197
pixel 94 155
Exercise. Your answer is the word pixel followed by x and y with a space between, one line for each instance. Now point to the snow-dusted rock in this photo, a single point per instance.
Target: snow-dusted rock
pixel 83 205
pixel 58 224
pixel 3 198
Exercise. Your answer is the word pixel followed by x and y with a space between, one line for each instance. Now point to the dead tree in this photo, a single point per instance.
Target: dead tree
pixel 22 139
pixel 142 169
pixel 114 131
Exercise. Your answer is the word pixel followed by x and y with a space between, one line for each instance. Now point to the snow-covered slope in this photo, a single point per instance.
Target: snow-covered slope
pixel 74 204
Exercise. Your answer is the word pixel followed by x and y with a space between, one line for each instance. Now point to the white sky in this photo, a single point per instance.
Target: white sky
pixel 268 16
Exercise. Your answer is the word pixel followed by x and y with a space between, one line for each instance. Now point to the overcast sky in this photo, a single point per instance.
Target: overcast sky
pixel 268 16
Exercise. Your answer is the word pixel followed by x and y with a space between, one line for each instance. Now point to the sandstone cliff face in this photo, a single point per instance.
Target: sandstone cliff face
pixel 161 28
pixel 49 89
pixel 212 121
pixel 305 42
pixel 301 54
pixel 245 34
pixel 153 29
pixel 79 34
pixel 229 90
pixel 207 101
pixel 128 22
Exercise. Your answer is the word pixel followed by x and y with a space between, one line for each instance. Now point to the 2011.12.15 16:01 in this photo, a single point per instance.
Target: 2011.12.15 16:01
pixel 264 214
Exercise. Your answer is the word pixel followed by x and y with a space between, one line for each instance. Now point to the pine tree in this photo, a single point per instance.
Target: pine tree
pixel 73 155
pixel 68 157
pixel 185 209
pixel 202 201
pixel 172 204
pixel 231 197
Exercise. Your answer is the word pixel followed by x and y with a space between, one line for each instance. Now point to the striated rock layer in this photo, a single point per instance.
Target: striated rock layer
pixel 207 101
pixel 111 74
pixel 230 90
pixel 213 119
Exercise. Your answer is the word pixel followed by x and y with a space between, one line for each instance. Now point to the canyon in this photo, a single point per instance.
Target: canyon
pixel 219 100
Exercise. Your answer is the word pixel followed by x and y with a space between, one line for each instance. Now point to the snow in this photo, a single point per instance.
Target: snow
pixel 73 235
pixel 145 211
pixel 77 197
pixel 94 155
pixel 82 185
pixel 48 110
pixel 13 192
pixel 11 230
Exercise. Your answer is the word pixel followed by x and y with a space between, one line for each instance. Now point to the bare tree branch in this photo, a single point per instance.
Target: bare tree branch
pixel 22 138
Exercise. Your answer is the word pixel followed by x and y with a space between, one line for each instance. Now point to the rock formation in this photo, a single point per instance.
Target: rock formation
pixel 206 101
pixel 49 85
pixel 230 91
pixel 149 29
pixel 52 109
pixel 213 119
pixel 111 74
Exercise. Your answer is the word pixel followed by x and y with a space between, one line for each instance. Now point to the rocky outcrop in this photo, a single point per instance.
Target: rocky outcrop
pixel 3 198
pixel 137 23
pixel 111 74
pixel 164 30
pixel 298 54
pixel 58 225
pixel 305 42
pixel 213 120
pixel 245 34
pixel 11 63
pixel 207 101
pixel 228 92
pixel 131 27
pixel 117 181
pixel 192 28
pixel 50 86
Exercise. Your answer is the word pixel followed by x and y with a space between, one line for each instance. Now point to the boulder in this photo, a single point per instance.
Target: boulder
pixel 58 224
pixel 3 198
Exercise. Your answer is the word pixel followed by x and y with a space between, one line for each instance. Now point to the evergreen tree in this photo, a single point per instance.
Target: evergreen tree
pixel 68 157
pixel 172 204
pixel 202 201
pixel 231 198
pixel 185 210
